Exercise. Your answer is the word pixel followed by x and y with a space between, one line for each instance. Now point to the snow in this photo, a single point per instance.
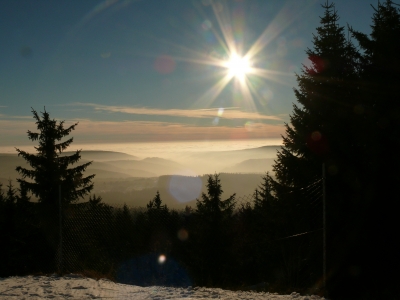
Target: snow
pixel 77 287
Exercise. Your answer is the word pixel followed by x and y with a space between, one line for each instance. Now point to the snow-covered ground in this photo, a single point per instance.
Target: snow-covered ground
pixel 77 287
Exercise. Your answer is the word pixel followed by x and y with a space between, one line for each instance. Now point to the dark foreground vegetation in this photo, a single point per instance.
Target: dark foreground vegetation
pixel 221 243
pixel 347 123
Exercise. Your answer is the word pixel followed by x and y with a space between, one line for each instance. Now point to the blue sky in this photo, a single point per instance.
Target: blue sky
pixel 147 71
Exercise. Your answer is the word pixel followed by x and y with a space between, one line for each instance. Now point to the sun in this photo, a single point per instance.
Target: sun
pixel 238 66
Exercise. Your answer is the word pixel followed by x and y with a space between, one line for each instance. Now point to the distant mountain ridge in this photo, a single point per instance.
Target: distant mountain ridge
pixel 110 166
pixel 253 165
pixel 99 155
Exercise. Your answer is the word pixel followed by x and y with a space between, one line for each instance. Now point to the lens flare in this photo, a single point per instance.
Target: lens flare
pixel 183 234
pixel 185 187
pixel 206 25
pixel 249 126
pixel 224 49
pixel 161 259
pixel 164 64
pixel 316 136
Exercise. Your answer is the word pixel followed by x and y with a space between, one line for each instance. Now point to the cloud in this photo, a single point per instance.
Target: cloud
pixel 142 131
pixel 227 113
pixel 139 131
pixel 5 117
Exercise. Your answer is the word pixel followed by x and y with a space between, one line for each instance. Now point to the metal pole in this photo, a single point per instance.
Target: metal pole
pixel 61 237
pixel 324 227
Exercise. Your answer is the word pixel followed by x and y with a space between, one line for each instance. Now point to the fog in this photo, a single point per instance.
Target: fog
pixel 180 179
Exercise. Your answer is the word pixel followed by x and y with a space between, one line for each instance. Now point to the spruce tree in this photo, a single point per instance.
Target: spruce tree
pixel 49 171
pixel 49 168
pixel 380 94
pixel 380 90
pixel 325 94
pixel 323 129
pixel 1 193
pixel 266 214
pixel 11 195
pixel 380 107
pixel 263 194
pixel 211 204
pixel 214 217
pixel 7 232
pixel 23 198
pixel 156 202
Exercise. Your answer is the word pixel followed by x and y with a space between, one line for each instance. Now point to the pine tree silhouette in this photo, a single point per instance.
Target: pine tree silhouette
pixel 213 232
pixel 8 230
pixel 156 202
pixel 11 195
pixel 23 197
pixel 380 108
pixel 1 193
pixel 325 94
pixel 211 204
pixel 51 169
pixel 323 129
pixel 263 194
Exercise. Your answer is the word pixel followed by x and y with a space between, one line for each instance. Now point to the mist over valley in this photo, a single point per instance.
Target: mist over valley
pixel 180 179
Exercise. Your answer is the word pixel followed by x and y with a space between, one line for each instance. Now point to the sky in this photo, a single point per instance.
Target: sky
pixel 150 71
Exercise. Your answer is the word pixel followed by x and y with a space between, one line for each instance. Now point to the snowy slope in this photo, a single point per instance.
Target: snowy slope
pixel 77 287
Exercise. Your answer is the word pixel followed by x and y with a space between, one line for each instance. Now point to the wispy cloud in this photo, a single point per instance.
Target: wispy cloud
pixel 141 131
pixel 163 131
pixel 15 117
pixel 227 113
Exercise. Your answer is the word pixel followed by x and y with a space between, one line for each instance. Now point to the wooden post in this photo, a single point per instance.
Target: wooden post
pixel 60 266
pixel 324 228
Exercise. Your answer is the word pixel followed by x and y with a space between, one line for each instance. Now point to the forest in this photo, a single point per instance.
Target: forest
pixel 341 145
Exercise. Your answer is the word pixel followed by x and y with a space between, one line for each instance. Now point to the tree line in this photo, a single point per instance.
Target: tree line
pixel 347 119
pixel 218 243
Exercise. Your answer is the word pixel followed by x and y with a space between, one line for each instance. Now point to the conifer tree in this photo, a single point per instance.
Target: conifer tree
pixel 263 194
pixel 380 95
pixel 211 203
pixel 11 196
pixel 380 108
pixel 1 193
pixel 156 202
pixel 8 230
pixel 380 90
pixel 323 129
pixel 266 214
pixel 325 93
pixel 95 201
pixel 214 217
pixel 51 169
pixel 22 198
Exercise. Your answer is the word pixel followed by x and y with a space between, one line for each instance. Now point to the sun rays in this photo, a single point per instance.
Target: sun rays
pixel 232 59
pixel 234 63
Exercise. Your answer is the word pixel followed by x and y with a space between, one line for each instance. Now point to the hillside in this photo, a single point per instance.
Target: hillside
pixel 123 178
